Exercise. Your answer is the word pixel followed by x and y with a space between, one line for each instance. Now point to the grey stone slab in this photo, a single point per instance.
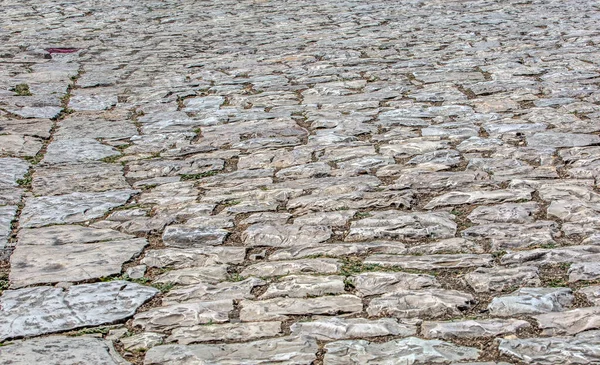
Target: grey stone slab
pixel 530 301
pixel 225 332
pixel 410 350
pixel 335 328
pixel 87 177
pixel 11 170
pixel 7 214
pixel 421 303
pixel 61 350
pixel 581 349
pixel 373 283
pixel 173 316
pixel 430 262
pixel 41 310
pixel 285 350
pixel 279 308
pixel 77 150
pixel 38 264
pixel 472 328
pixel 210 292
pixel 70 208
pixel 68 234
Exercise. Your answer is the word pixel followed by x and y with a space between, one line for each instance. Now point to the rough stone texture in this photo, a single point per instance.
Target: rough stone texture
pixel 278 308
pixel 531 301
pixel 70 208
pixel 406 351
pixel 61 350
pixel 340 328
pixel 225 332
pixel 471 328
pixel 420 303
pixel 581 349
pixel 286 351
pixel 40 310
pixel 314 162
pixel 569 322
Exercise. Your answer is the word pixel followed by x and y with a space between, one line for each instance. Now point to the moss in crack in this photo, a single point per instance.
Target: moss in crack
pixel 198 176
pixel 22 90
pixel 25 182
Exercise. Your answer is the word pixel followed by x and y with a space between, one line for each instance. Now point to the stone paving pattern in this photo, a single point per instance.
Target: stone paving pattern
pixel 307 182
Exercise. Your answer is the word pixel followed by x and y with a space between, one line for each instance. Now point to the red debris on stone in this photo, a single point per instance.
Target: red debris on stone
pixel 62 50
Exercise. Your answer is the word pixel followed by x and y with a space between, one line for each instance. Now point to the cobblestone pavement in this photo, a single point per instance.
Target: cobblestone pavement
pixel 307 182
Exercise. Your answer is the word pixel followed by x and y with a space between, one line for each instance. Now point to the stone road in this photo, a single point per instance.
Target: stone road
pixel 307 182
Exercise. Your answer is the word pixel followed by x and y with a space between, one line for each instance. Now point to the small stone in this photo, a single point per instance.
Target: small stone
pixel 136 272
pixel 142 341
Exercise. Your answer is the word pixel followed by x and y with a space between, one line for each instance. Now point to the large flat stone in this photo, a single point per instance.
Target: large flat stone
pixel 173 316
pixel 431 262
pixel 61 350
pixel 472 328
pixel 569 322
pixel 373 283
pixel 421 303
pixel 278 308
pixel 581 349
pixel 528 301
pixel 43 309
pixel 88 177
pixel 410 350
pixel 38 264
pixel 225 332
pixel 77 150
pixel 335 328
pixel 285 351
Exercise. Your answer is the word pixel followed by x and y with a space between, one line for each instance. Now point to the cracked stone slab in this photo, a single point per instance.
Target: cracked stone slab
pixel 410 350
pixel 581 349
pixel 180 315
pixel 87 177
pixel 11 170
pixel 300 286
pixel 419 303
pixel 530 301
pixel 212 292
pixel 284 235
pixel 279 308
pixel 7 214
pixel 77 150
pixel 478 197
pixel 373 283
pixel 41 310
pixel 194 257
pixel 188 236
pixel 336 328
pixel 71 262
pixel 70 208
pixel 396 225
pixel 225 332
pixel 569 322
pixel 431 262
pixel 497 279
pixel 68 234
pixel 472 328
pixel 61 350
pixel 284 350
pixel 279 268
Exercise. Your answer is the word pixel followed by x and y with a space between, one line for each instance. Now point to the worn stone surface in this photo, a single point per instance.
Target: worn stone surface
pixel 408 351
pixel 278 308
pixel 531 301
pixel 569 322
pixel 580 349
pixel 70 208
pixel 341 328
pixel 40 310
pixel 471 328
pixel 61 350
pixel 342 167
pixel 285 350
pixel 420 303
